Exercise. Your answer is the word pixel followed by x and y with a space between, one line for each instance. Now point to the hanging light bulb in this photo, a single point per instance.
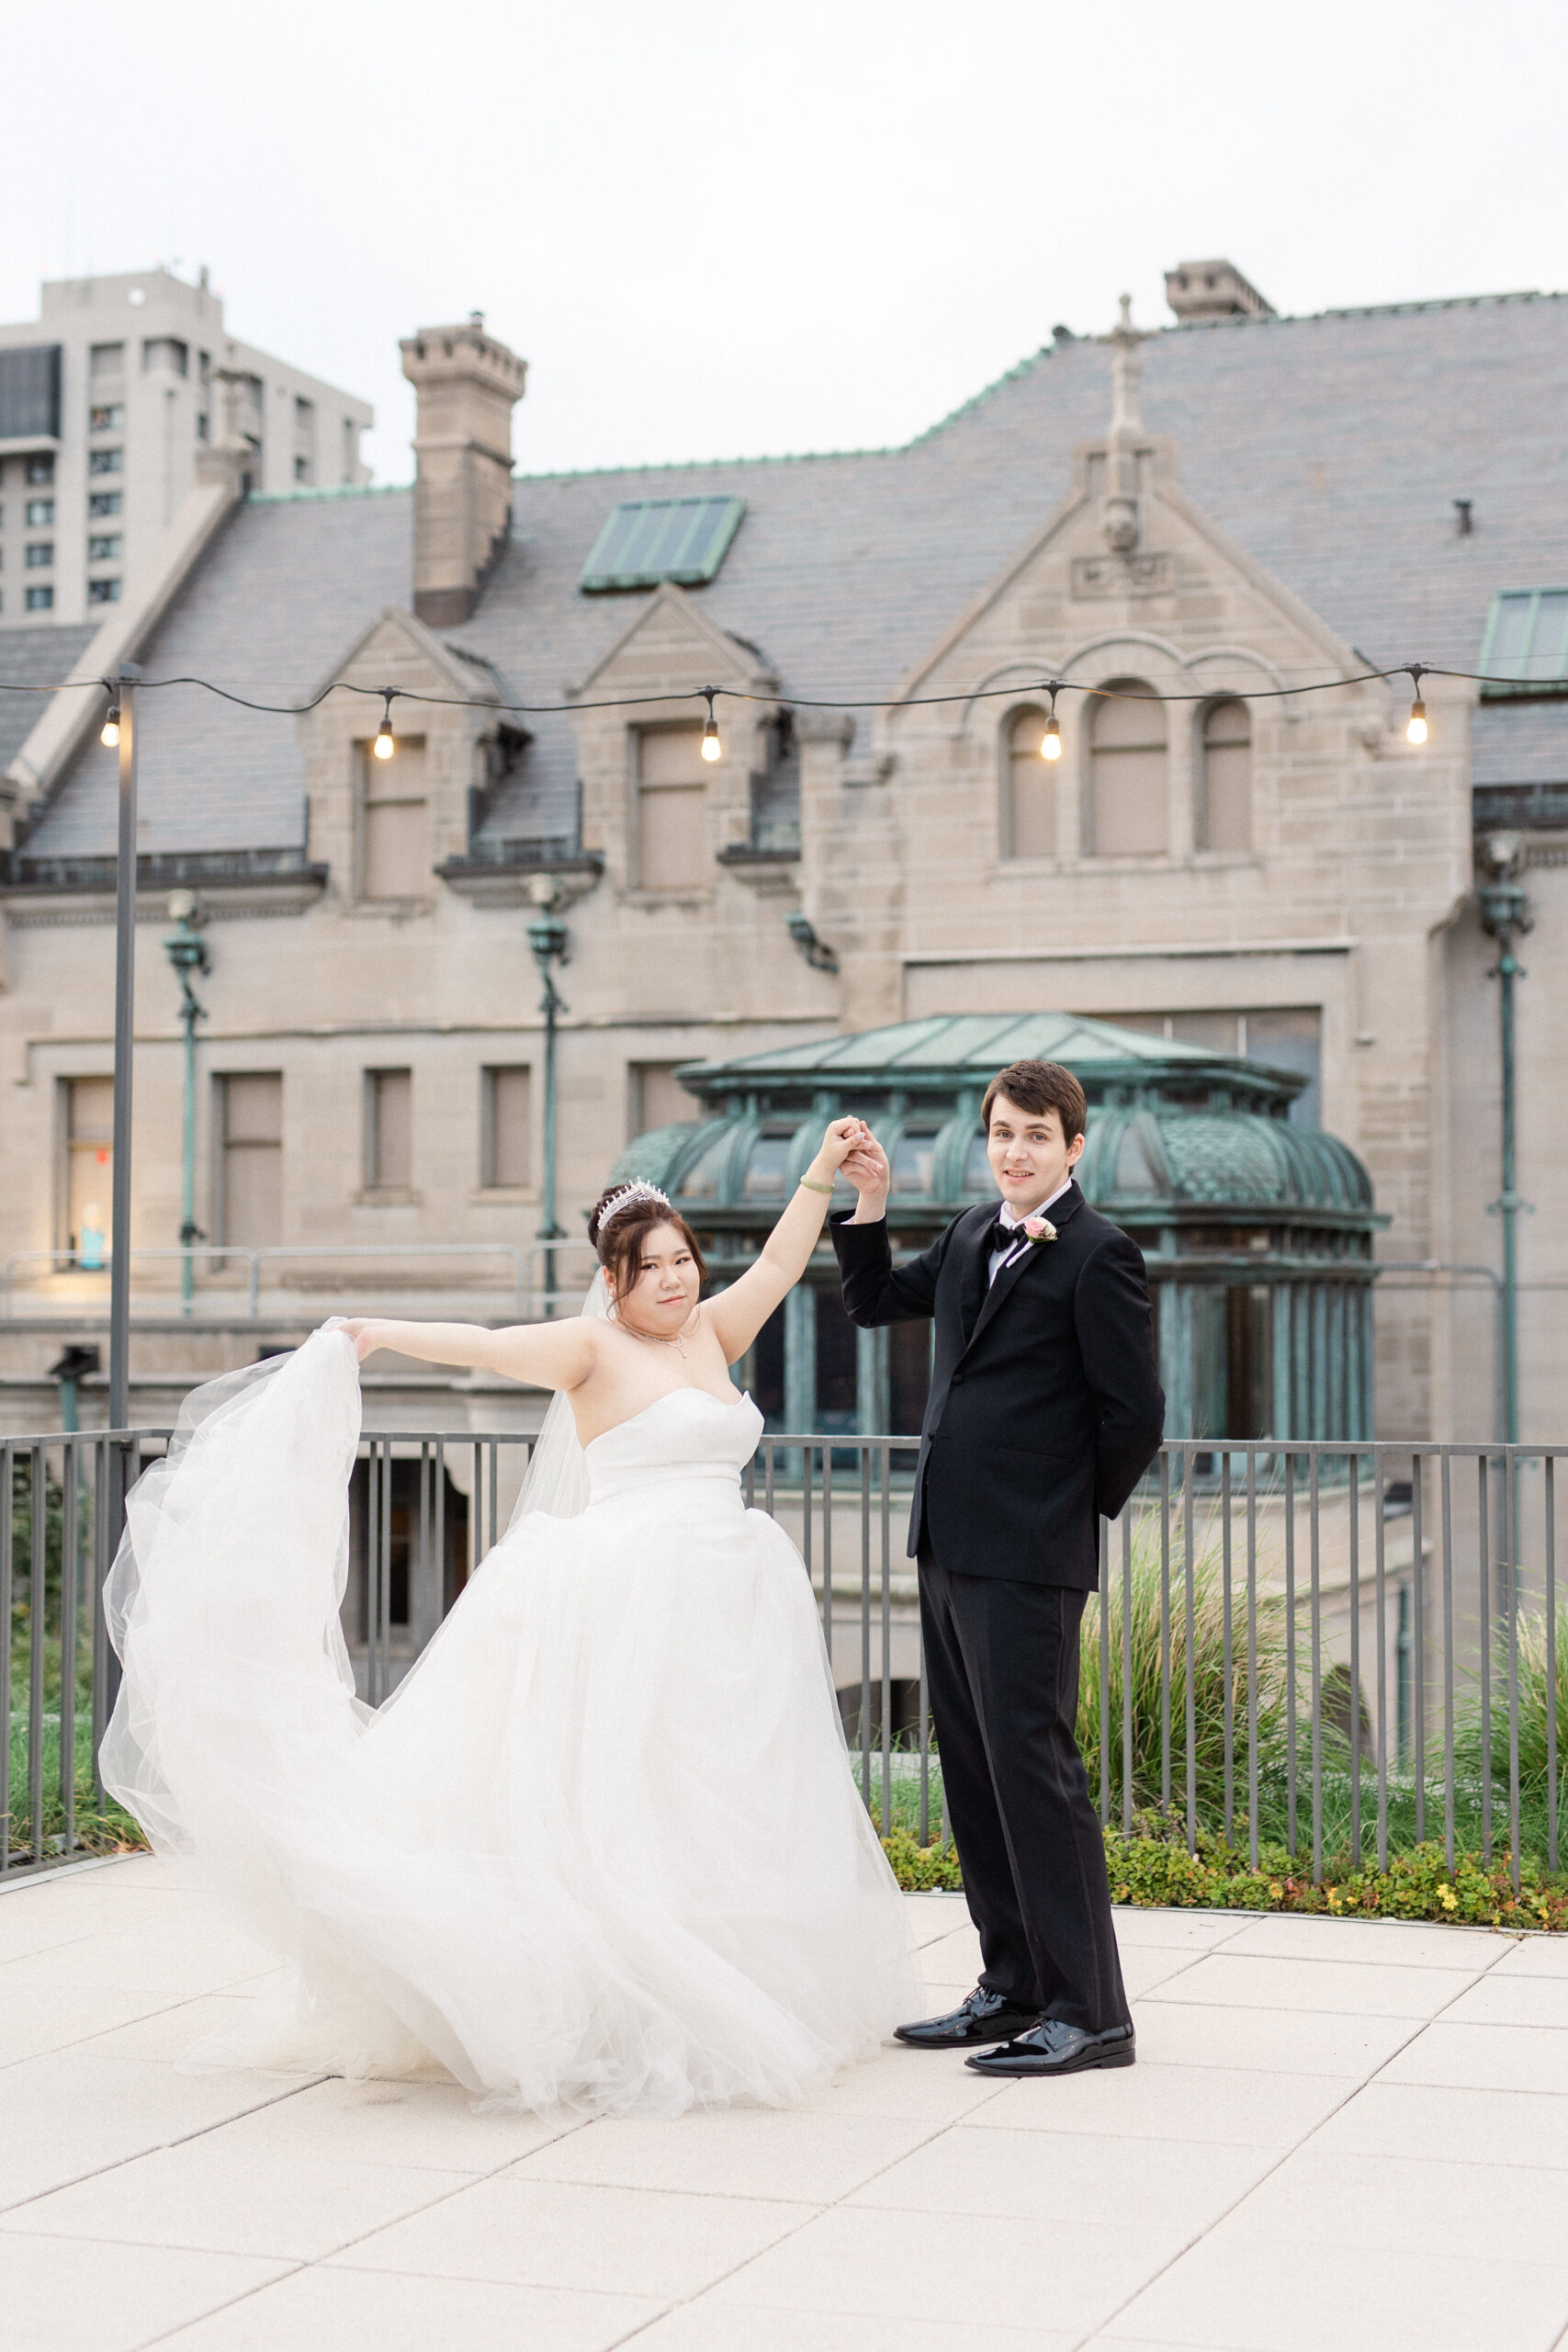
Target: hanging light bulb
pixel 1051 742
pixel 712 748
pixel 1415 726
pixel 383 746
pixel 108 734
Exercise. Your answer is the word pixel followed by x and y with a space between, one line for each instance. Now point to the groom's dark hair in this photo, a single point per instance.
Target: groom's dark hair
pixel 1040 1087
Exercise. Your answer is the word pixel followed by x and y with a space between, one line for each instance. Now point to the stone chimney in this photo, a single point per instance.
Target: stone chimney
pixel 467 384
pixel 1213 290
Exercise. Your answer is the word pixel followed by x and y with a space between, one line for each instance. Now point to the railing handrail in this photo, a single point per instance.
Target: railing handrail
pixel 256 1257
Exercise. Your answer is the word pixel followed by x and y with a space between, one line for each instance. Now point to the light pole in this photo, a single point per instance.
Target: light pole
pixel 1504 913
pixel 187 951
pixel 123 717
pixel 547 938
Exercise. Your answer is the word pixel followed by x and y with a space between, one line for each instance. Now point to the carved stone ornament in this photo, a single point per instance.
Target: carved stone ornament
pixel 1146 574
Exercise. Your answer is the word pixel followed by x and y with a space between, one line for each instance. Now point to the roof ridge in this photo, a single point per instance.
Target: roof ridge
pixel 304 494
pixel 1026 367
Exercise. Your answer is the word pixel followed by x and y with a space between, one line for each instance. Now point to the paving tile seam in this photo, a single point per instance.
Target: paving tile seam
pixel 142 2016
pixel 1422 2027
pixel 1032 2131
pixel 195 2318
pixel 1350 2017
pixel 155 2147
pixel 1356 2085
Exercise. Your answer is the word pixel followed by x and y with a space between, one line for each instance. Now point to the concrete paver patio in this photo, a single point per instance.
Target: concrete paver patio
pixel 1338 2134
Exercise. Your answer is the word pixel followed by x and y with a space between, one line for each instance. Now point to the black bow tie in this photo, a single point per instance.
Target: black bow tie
pixel 999 1236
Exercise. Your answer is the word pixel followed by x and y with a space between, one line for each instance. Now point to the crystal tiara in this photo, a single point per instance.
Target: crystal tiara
pixel 625 1196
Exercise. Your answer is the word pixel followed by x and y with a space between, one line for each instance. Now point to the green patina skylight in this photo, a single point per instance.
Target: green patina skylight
pixel 1525 649
pixel 648 540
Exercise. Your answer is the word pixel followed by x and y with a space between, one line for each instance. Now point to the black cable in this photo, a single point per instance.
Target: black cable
pixel 1052 686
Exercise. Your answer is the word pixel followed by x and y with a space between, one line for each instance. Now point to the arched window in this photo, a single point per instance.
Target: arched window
pixel 1225 797
pixel 1031 814
pixel 1128 789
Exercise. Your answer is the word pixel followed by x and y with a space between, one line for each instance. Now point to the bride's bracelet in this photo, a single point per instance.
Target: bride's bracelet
pixel 812 1186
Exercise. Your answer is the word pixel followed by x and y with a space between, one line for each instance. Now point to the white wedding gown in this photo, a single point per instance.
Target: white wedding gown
pixel 601 1847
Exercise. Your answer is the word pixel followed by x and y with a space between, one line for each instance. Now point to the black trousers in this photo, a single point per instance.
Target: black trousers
pixel 1002 1667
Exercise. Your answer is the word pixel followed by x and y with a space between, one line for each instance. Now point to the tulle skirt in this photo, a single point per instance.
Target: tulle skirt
pixel 603 1846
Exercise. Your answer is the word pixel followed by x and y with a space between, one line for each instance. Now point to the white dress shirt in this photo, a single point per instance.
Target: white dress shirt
pixel 1000 1258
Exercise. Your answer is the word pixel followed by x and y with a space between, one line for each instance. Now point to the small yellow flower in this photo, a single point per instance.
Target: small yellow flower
pixel 1447 1898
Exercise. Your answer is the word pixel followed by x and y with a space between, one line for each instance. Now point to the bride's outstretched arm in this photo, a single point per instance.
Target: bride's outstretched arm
pixel 738 1314
pixel 546 1355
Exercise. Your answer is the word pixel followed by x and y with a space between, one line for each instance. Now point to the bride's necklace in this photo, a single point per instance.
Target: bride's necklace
pixel 657 1340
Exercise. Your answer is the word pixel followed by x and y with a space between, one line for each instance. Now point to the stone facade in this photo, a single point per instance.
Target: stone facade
pixel 921 864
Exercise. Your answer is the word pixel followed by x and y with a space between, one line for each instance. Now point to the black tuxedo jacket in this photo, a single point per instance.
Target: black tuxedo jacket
pixel 1045 1406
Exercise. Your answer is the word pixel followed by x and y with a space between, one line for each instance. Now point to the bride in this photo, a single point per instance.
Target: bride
pixel 601 1846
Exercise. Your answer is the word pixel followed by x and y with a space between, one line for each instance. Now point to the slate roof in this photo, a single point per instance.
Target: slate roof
pixel 282 595
pixel 34 657
pixel 1330 447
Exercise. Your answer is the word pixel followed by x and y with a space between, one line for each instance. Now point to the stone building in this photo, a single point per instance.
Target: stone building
pixel 107 399
pixel 1232 511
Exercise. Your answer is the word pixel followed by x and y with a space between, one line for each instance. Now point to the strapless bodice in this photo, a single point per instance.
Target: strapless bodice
pixel 685 1437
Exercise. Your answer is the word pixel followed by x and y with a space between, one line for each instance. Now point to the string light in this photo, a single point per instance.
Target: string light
pixel 1051 742
pixel 712 749
pixel 108 735
pixel 1415 726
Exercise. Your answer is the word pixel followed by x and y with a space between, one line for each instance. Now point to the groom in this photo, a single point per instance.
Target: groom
pixel 1045 1408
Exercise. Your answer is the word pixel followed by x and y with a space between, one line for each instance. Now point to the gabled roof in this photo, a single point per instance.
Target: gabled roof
pixel 1330 450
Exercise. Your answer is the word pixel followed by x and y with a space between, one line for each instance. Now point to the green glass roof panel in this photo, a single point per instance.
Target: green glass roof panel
pixel 648 540
pixel 1525 649
pixel 969 1045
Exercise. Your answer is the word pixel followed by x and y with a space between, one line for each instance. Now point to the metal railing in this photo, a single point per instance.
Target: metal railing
pixel 1329 1647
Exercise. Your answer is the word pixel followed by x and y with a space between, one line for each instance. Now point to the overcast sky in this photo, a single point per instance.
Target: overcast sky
pixel 715 230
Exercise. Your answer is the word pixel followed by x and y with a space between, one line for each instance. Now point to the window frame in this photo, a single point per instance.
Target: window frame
pixel 490 1184
pixel 1100 701
pixel 1007 759
pixel 1202 718
pixel 375 1186
pixel 223 1143
pixel 701 882
pixel 370 770
pixel 1524 689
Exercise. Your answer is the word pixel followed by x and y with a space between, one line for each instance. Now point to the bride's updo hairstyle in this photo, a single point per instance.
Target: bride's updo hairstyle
pixel 620 1225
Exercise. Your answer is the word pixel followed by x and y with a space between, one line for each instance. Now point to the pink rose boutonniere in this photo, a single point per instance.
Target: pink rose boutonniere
pixel 1039 1228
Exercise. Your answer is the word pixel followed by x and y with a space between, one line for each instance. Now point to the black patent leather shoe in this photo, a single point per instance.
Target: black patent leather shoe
pixel 983 2016
pixel 1053 2048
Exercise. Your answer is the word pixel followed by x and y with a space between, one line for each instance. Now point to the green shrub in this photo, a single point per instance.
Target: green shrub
pixel 1152 1868
pixel 1535 1676
pixel 1210 1679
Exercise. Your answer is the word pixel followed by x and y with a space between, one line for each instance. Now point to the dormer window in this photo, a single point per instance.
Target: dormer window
pixel 1524 653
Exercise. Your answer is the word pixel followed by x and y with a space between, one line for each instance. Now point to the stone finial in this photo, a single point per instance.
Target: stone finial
pixel 467 385
pixel 1120 518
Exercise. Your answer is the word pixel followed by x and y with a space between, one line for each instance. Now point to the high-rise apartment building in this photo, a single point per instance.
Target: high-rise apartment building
pixel 106 399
